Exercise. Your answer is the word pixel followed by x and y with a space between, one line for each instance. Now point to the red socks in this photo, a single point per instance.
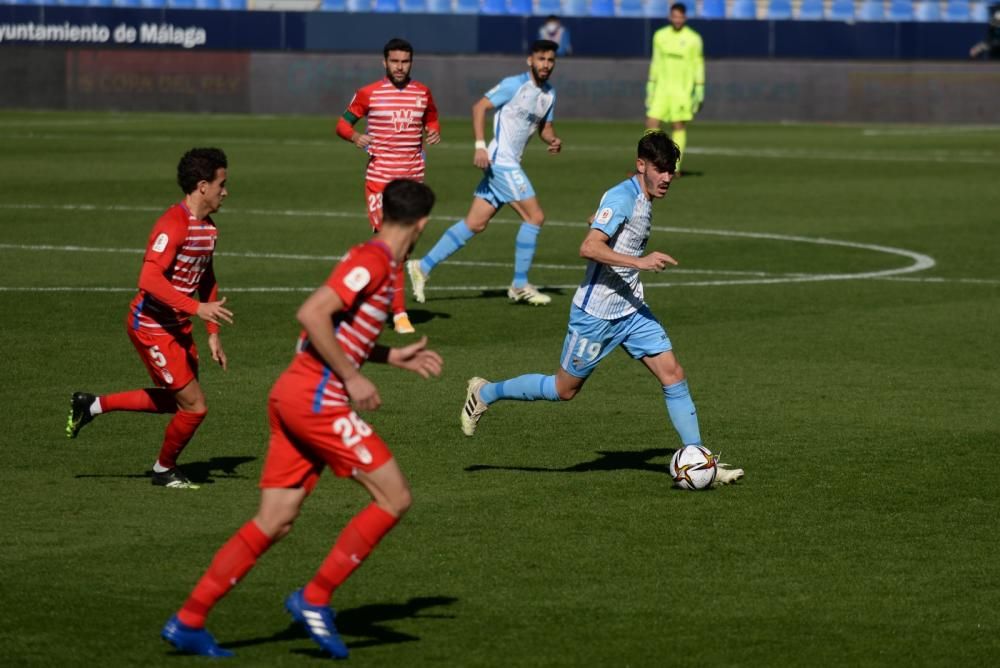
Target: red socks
pixel 231 563
pixel 355 542
pixel 399 290
pixel 178 434
pixel 150 400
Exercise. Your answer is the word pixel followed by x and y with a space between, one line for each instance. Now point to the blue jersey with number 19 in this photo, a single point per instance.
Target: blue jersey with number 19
pixel 521 107
pixel 625 215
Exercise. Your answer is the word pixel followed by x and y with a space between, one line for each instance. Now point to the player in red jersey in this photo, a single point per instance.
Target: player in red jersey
pixel 176 268
pixel 313 426
pixel 398 110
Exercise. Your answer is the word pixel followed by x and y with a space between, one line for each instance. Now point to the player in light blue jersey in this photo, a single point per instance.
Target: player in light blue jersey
pixel 524 104
pixel 609 309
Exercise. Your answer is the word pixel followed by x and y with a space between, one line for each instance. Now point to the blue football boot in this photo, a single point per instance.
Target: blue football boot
pixel 191 640
pixel 318 621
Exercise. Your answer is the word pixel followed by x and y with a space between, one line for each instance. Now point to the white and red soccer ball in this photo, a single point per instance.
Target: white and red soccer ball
pixel 693 467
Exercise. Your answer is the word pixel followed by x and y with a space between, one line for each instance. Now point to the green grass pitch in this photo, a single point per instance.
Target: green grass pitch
pixel 857 382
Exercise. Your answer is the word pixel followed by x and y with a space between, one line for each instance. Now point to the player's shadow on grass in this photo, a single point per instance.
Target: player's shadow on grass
pixel 619 460
pixel 495 294
pixel 366 622
pixel 199 472
pixel 420 316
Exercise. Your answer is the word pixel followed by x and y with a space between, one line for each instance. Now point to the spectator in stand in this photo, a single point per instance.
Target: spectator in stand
pixel 553 30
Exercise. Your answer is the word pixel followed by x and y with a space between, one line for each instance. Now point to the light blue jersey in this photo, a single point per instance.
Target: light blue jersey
pixel 625 215
pixel 521 108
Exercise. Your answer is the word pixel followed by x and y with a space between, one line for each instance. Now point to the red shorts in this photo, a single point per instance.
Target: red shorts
pixel 373 201
pixel 170 359
pixel 303 442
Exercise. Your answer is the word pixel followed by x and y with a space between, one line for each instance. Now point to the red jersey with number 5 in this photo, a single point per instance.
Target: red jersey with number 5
pixel 396 121
pixel 182 247
pixel 363 281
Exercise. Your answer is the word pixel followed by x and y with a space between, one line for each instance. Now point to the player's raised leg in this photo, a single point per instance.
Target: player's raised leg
pixel 524 252
pixel 453 240
pixel 481 393
pixel 310 606
pixel 84 407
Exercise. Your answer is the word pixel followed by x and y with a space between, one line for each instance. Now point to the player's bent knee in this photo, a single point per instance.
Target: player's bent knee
pixel 566 393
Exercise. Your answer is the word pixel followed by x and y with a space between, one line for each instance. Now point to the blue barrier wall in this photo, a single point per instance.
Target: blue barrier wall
pixel 443 34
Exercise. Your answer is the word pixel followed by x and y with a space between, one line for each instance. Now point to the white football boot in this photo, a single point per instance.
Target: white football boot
pixel 474 407
pixel 529 294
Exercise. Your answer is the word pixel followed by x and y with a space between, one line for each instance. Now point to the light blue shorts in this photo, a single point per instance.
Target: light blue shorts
pixel 504 184
pixel 590 339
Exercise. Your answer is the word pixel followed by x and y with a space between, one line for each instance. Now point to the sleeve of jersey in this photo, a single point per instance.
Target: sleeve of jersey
pixel 431 121
pixel 551 115
pixel 357 109
pixel 164 242
pixel 503 91
pixel 610 215
pixel 355 277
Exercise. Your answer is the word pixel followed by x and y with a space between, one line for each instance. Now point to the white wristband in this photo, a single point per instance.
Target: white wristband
pixel 480 144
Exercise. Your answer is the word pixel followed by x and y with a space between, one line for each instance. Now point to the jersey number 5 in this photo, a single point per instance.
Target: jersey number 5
pixel 157 357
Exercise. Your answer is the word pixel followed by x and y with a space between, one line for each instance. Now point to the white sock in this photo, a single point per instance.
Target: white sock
pixel 159 468
pixel 95 408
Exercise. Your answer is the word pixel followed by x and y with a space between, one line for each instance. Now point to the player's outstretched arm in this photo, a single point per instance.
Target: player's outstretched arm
pixel 595 247
pixel 547 132
pixel 415 357
pixel 316 317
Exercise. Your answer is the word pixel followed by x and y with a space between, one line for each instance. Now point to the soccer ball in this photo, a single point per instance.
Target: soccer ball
pixel 693 467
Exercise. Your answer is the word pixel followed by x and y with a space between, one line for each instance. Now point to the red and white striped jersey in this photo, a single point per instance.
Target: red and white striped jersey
pixel 181 246
pixel 363 281
pixel 396 122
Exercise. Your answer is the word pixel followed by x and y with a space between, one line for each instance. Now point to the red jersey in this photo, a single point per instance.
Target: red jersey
pixel 396 121
pixel 181 246
pixel 363 281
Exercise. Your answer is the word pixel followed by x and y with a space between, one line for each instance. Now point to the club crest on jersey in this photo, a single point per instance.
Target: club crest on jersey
pixel 604 216
pixel 161 242
pixel 357 278
pixel 401 119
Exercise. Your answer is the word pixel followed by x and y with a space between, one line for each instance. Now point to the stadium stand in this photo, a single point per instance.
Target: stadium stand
pixel 519 7
pixel 629 8
pixel 956 10
pixel 493 7
pixel 466 7
pixel 743 9
pixel 659 9
pixel 810 10
pixel 386 6
pixel 602 7
pixel 549 7
pixel 713 9
pixel 841 10
pixel 871 10
pixel 575 8
pixel 779 10
pixel 900 10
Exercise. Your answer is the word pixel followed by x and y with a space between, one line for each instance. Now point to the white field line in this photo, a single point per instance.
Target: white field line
pixel 919 261
pixel 938 156
pixel 921 131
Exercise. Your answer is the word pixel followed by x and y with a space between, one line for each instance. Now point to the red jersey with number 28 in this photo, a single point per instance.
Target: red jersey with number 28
pixel 363 281
pixel 396 121
pixel 182 247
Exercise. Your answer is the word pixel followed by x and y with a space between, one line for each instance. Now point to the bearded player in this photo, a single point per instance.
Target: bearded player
pixel 177 268
pixel 313 427
pixel 398 110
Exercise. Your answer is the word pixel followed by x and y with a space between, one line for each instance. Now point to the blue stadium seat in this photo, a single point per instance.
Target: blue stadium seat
pixel 359 5
pixel 602 7
pixel 386 6
pixel 439 6
pixel 779 10
pixel 114 3
pixel 152 4
pixel 575 8
pixel 233 5
pixel 207 4
pixel 979 12
pixel 519 7
pixel 659 9
pixel 713 9
pixel 743 9
pixel 333 5
pixel 413 6
pixel 98 3
pixel 900 10
pixel 629 8
pixel 493 7
pixel 466 7
pixel 871 10
pixel 957 11
pixel 928 11
pixel 180 4
pixel 66 3
pixel 841 10
pixel 548 7
pixel 810 10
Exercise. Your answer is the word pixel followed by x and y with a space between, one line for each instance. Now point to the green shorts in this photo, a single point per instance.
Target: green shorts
pixel 669 106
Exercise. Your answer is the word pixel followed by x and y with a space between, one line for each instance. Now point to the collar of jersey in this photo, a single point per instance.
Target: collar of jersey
pixel 382 246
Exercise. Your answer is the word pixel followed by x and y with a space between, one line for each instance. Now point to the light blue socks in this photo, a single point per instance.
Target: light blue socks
pixel 529 387
pixel 452 239
pixel 682 412
pixel 524 252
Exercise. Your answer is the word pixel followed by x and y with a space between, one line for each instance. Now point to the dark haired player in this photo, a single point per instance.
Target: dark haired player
pixel 398 110
pixel 609 309
pixel 314 427
pixel 176 269
pixel 524 103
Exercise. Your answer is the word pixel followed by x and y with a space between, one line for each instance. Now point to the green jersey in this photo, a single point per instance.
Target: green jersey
pixel 678 65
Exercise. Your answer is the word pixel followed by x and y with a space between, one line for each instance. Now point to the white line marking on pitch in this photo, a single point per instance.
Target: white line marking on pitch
pixel 920 261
